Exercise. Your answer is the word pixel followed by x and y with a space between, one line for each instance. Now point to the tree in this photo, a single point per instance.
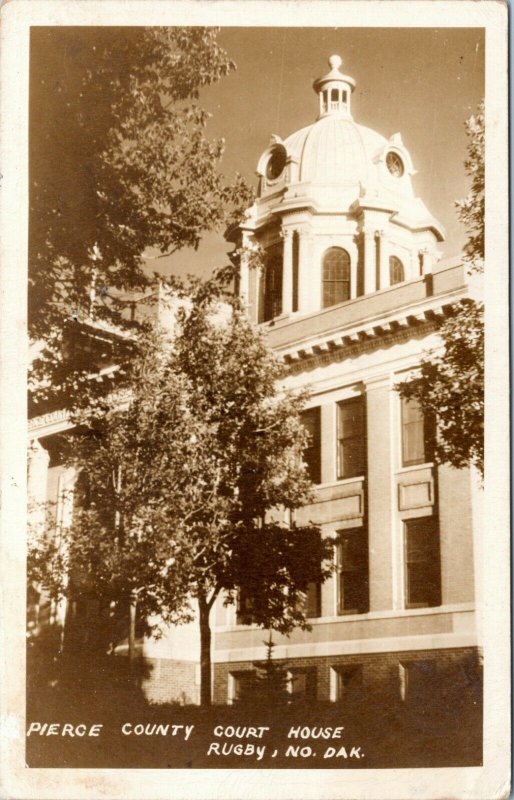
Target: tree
pixel 270 684
pixel 471 209
pixel 182 479
pixel 451 382
pixel 119 162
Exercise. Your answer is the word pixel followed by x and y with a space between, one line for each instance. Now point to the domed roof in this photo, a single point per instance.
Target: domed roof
pixel 336 165
pixel 335 150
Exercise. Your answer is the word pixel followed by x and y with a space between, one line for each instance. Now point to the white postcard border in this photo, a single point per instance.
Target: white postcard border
pixel 17 781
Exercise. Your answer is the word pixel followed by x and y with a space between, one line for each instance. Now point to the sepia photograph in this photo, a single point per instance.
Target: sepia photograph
pixel 257 260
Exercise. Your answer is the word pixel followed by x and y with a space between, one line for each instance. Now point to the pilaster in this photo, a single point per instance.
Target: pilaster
pixel 304 269
pixel 425 261
pixel 244 274
pixel 383 260
pixel 38 459
pixel 287 272
pixel 379 493
pixel 456 534
pixel 328 426
pixel 37 484
pixel 370 282
pixel 354 277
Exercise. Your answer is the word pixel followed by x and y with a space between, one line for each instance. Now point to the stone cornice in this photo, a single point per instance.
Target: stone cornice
pixel 359 339
pixel 59 420
pixel 353 349
pixel 51 422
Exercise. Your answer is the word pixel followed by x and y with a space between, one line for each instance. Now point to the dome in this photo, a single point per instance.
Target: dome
pixel 335 150
pixel 337 164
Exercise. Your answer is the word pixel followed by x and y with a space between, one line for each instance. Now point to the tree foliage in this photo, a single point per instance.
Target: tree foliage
pixel 182 475
pixel 119 161
pixel 451 381
pixel 452 384
pixel 471 209
pixel 269 683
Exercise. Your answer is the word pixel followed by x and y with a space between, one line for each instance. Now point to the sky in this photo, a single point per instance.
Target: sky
pixel 422 82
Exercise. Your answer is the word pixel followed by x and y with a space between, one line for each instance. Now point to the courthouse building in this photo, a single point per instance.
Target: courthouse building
pixel 350 299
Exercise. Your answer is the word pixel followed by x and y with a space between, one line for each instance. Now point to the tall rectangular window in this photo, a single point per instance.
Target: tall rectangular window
pixel 422 563
pixel 418 432
pixel 311 419
pixel 351 438
pixel 352 571
pixel 244 607
pixel 273 284
pixel 313 600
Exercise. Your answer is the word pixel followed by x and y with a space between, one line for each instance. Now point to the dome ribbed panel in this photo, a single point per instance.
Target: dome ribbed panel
pixel 334 150
pixel 294 144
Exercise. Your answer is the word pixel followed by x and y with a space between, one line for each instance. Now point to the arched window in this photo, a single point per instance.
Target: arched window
pixel 396 273
pixel 336 276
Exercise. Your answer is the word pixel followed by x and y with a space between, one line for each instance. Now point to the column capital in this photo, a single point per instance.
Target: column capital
pixel 286 233
pixel 248 238
pixel 380 234
pixel 305 232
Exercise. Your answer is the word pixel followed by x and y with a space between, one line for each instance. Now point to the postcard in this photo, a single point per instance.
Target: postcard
pixel 255 517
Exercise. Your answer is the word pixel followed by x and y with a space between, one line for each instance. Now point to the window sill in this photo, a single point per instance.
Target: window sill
pixel 352 613
pixel 453 608
pixel 414 467
pixel 329 619
pixel 340 482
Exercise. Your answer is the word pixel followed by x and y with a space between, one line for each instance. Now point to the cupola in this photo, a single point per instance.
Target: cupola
pixel 334 91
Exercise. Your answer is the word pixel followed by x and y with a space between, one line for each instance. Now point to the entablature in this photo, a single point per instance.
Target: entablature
pixel 366 320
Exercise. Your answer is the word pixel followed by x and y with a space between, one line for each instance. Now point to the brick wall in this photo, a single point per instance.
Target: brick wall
pixel 457 670
pixel 170 681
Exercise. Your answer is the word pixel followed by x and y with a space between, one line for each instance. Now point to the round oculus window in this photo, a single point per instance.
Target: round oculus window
pixel 276 163
pixel 394 164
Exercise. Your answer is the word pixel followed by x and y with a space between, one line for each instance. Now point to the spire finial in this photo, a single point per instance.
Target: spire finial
pixel 335 61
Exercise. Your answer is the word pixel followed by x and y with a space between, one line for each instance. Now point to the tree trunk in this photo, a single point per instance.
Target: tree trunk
pixel 205 653
pixel 132 630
